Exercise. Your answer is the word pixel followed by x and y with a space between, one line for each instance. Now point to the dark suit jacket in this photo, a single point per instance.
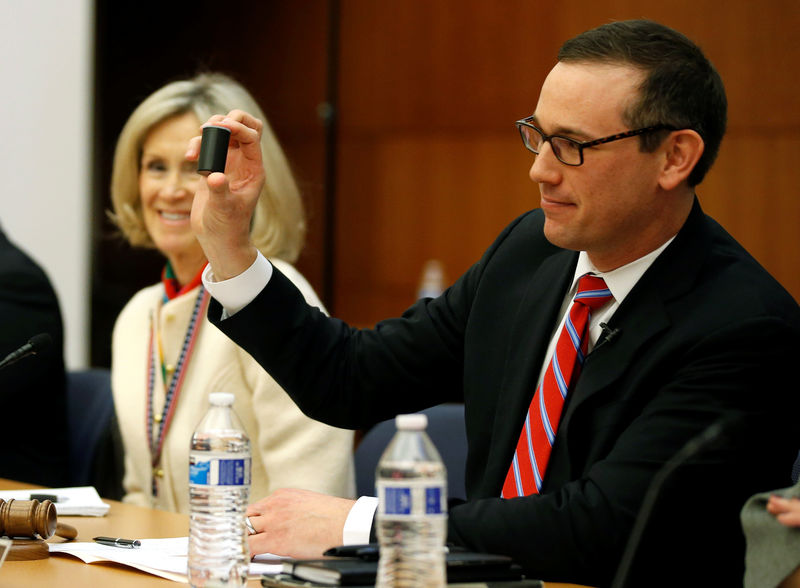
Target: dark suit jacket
pixel 706 333
pixel 34 441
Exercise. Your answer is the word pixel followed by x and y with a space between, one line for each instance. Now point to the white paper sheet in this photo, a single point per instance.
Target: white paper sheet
pixel 166 558
pixel 80 500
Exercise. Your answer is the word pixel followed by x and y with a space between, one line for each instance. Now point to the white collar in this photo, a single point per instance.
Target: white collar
pixel 621 280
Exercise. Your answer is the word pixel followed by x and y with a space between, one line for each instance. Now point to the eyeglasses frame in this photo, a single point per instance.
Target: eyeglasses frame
pixel 581 145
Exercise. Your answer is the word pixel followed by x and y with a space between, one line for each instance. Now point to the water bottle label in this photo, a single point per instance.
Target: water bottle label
pixel 219 471
pixel 411 497
pixel 433 500
pixel 397 501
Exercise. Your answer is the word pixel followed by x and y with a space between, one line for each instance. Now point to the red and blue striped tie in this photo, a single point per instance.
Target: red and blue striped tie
pixel 541 423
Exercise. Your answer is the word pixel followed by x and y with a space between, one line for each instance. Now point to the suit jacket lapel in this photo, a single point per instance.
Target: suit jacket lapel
pixel 643 313
pixel 641 316
pixel 533 323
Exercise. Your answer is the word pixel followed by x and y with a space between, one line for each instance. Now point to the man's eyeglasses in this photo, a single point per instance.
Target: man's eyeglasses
pixel 569 151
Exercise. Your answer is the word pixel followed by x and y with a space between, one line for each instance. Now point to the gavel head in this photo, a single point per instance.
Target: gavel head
pixel 27 518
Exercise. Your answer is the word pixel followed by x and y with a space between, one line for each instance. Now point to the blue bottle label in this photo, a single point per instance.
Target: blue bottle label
pixel 433 500
pixel 408 498
pixel 397 501
pixel 205 470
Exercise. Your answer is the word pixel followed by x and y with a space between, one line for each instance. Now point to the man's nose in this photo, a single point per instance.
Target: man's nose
pixel 546 168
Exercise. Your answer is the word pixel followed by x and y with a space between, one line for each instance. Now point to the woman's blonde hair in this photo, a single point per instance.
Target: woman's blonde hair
pixel 278 226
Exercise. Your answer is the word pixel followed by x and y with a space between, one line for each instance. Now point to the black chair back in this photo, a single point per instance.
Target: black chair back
pixel 95 452
pixel 446 430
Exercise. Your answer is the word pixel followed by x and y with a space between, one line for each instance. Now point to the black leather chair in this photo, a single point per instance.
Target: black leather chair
pixel 446 430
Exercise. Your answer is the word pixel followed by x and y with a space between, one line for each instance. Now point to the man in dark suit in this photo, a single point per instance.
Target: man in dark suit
pixel 696 332
pixel 32 390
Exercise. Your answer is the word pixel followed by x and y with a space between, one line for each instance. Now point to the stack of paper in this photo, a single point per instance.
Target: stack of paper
pixel 166 558
pixel 81 501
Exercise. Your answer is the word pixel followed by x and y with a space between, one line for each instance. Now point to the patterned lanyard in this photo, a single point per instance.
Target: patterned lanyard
pixel 173 391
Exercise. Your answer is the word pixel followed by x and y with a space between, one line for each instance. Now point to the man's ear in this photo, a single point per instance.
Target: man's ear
pixel 682 149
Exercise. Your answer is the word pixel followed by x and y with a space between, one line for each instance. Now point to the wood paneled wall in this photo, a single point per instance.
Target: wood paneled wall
pixel 429 162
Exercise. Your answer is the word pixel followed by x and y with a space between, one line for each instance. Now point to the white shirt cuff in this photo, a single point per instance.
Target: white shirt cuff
pixel 359 521
pixel 239 291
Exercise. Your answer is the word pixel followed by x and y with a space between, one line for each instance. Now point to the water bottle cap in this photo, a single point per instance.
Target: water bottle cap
pixel 220 399
pixel 411 422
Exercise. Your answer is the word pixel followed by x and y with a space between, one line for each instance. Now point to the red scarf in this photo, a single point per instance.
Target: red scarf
pixel 172 288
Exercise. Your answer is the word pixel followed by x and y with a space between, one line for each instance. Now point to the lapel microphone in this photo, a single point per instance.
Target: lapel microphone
pixel 34 345
pixel 608 332
pixel 607 335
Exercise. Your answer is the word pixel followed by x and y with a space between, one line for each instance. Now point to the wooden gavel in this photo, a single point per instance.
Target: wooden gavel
pixel 29 523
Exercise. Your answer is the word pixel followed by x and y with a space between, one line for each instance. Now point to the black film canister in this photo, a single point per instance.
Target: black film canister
pixel 213 150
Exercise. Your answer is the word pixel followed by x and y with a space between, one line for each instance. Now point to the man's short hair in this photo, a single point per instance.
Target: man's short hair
pixel 681 88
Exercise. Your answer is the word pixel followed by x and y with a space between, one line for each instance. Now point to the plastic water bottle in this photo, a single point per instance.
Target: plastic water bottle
pixel 411 483
pixel 431 283
pixel 219 490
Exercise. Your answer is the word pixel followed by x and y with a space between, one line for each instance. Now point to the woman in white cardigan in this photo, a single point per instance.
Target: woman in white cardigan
pixel 166 356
